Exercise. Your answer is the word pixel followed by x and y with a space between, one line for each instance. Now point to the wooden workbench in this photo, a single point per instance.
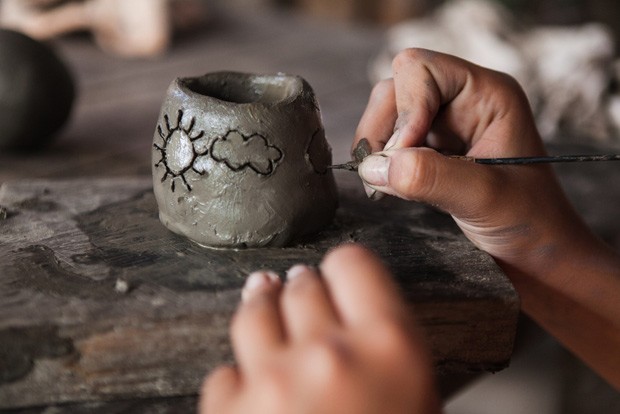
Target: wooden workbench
pixel 99 302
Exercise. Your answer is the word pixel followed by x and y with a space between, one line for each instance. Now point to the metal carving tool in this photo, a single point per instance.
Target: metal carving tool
pixel 539 160
pixel 352 165
pixel 361 151
pixel 349 166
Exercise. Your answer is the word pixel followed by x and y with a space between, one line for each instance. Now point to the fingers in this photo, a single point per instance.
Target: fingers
pixel 422 174
pixel 257 326
pixel 377 122
pixel 453 98
pixel 306 305
pixel 401 110
pixel 354 288
pixel 361 287
pixel 271 316
pixel 418 92
pixel 219 390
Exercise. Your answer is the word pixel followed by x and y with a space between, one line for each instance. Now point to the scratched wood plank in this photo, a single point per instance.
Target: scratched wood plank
pixel 98 301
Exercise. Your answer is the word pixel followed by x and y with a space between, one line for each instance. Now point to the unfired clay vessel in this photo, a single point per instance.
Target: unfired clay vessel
pixel 240 160
pixel 37 92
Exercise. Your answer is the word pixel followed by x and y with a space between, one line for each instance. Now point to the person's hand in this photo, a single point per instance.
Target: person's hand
pixel 568 280
pixel 339 340
pixel 518 214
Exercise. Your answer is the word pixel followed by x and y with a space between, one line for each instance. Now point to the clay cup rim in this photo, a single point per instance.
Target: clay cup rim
pixel 237 88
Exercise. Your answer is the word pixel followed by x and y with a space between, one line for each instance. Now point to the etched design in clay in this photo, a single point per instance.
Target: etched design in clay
pixel 240 151
pixel 178 153
pixel 260 174
pixel 318 153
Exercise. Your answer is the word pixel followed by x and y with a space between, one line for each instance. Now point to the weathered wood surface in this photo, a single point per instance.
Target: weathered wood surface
pixel 99 301
pixel 167 405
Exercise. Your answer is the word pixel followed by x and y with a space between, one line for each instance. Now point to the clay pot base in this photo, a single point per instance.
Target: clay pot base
pixel 240 160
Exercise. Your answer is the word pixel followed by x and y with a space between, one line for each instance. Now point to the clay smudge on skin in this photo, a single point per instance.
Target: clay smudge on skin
pixel 362 150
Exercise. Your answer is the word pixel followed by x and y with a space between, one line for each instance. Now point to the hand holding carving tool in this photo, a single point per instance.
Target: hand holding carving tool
pixel 352 165
pixel 361 151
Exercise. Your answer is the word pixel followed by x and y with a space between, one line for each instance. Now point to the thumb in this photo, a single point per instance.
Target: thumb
pixel 456 186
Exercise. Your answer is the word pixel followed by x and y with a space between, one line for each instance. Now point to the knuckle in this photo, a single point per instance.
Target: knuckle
pixel 405 57
pixel 396 344
pixel 328 359
pixel 509 87
pixel 382 89
pixel 409 56
pixel 275 380
pixel 275 383
pixel 509 82
pixel 395 338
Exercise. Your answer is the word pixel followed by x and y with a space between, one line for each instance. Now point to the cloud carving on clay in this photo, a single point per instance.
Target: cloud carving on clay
pixel 239 151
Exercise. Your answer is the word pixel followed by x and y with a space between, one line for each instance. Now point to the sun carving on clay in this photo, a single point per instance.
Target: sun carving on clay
pixel 178 151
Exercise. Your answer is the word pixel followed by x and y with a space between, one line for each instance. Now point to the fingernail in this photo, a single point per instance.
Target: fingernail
pixel 258 281
pixel 296 270
pixel 373 194
pixel 370 192
pixel 393 140
pixel 374 170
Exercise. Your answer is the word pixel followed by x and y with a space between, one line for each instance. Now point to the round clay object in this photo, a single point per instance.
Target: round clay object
pixel 36 92
pixel 240 160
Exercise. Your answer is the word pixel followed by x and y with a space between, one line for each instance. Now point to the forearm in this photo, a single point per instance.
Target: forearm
pixel 574 293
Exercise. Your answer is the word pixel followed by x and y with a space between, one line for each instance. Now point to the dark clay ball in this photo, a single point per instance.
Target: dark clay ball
pixel 36 92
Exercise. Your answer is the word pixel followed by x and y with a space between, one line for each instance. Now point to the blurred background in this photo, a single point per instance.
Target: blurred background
pixel 122 54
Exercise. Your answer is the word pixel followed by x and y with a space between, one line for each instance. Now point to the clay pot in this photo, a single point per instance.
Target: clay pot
pixel 240 160
pixel 36 92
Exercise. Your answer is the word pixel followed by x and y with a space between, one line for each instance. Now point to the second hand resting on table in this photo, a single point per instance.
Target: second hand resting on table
pixel 340 340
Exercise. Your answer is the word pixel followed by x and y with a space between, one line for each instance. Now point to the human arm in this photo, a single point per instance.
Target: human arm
pixel 568 280
pixel 341 341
